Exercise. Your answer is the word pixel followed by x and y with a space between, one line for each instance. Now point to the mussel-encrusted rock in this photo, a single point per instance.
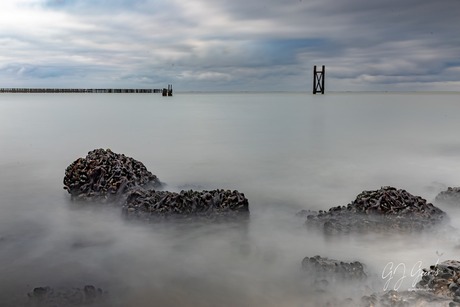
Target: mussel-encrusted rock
pixel 321 267
pixel 151 204
pixel 442 279
pixel 386 209
pixel 104 175
pixel 66 297
pixel 439 286
pixel 450 196
pixel 411 298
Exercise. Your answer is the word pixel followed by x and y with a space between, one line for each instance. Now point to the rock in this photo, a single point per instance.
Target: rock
pixel 333 282
pixel 442 279
pixel 386 209
pixel 438 287
pixel 40 293
pixel 450 196
pixel 332 279
pixel 306 213
pixel 328 269
pixel 104 175
pixel 154 205
pixel 394 298
pixel 67 297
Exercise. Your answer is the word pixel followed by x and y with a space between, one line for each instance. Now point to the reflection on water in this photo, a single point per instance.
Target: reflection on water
pixel 285 152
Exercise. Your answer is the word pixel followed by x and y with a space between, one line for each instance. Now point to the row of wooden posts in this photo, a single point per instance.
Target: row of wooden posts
pixel 164 91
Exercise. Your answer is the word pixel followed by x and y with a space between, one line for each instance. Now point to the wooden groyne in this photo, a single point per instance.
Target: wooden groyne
pixel 164 91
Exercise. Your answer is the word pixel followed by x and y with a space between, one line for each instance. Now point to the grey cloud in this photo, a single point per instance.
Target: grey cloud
pixel 26 70
pixel 95 6
pixel 228 44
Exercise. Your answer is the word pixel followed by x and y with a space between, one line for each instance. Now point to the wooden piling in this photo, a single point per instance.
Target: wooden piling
pixel 166 92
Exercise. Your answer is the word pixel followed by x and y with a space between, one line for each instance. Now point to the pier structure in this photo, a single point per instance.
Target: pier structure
pixel 89 90
pixel 168 91
pixel 318 80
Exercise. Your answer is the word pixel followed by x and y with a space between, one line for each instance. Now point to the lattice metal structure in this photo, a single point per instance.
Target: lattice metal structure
pixel 318 80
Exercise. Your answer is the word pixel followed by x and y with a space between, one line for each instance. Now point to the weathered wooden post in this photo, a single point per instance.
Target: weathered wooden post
pixel 318 80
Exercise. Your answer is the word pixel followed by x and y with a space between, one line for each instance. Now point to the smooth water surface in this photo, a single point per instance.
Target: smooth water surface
pixel 286 152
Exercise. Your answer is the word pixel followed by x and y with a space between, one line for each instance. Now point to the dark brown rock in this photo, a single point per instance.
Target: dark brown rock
pixel 442 279
pixel 153 205
pixel 439 286
pixel 104 175
pixel 330 269
pixel 386 209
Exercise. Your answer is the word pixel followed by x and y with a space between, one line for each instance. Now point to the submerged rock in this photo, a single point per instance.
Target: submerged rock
pixel 439 286
pixel 442 279
pixel 386 209
pixel 339 283
pixel 104 175
pixel 334 283
pixel 151 204
pixel 394 298
pixel 330 269
pixel 49 297
pixel 450 196
pixel 334 280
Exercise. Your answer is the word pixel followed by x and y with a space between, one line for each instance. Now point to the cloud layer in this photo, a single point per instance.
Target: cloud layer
pixel 231 45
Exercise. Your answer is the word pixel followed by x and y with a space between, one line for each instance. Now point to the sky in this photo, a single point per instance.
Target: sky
pixel 231 45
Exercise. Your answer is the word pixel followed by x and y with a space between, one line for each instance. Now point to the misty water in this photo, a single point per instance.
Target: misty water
pixel 285 152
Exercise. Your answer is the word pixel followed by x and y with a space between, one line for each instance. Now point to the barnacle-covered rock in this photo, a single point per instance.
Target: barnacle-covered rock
pixel 330 269
pixel 386 209
pixel 67 297
pixel 439 286
pixel 153 205
pixel 450 196
pixel 412 298
pixel 104 175
pixel 442 279
pixel 334 282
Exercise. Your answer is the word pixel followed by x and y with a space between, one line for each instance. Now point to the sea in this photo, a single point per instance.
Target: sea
pixel 286 152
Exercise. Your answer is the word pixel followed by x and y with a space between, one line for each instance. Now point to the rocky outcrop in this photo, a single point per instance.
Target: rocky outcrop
pixel 442 279
pixel 151 204
pixel 330 269
pixel 386 209
pixel 394 298
pixel 333 282
pixel 439 286
pixel 450 196
pixel 104 175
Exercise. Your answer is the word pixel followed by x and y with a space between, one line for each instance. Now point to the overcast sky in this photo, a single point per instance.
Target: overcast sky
pixel 207 45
